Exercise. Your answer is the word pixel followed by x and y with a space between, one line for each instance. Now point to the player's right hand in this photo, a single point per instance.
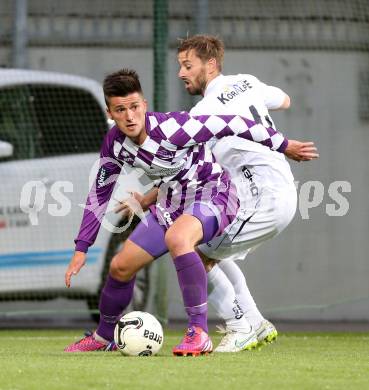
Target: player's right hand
pixel 132 205
pixel 301 151
pixel 77 262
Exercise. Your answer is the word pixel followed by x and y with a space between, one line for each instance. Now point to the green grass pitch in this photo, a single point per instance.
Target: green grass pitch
pixel 35 360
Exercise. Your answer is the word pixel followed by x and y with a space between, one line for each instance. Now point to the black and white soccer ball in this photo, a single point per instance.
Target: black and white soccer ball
pixel 138 334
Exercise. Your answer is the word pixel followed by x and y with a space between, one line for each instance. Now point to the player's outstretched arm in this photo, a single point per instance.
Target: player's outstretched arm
pixel 185 130
pixel 77 262
pixel 301 151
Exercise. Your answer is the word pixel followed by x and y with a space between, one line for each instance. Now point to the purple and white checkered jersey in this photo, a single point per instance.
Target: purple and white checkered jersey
pixel 244 94
pixel 175 156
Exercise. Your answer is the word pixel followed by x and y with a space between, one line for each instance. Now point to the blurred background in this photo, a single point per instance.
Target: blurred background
pixel 316 51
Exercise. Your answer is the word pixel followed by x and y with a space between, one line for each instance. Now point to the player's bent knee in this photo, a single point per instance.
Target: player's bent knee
pixel 178 249
pixel 121 270
pixel 177 245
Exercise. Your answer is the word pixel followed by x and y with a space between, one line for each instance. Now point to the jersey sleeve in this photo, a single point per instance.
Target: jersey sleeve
pixel 184 130
pixel 273 96
pixel 99 195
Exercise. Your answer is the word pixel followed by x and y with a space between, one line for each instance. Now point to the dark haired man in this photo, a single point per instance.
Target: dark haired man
pixel 196 202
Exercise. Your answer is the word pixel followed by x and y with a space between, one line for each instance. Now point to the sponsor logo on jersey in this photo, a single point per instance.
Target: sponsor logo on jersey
pixel 101 177
pixel 126 156
pixel 248 175
pixel 165 214
pixel 155 172
pixel 166 154
pixel 231 91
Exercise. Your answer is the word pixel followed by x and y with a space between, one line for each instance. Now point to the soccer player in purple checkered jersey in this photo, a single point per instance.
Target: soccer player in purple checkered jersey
pixel 197 202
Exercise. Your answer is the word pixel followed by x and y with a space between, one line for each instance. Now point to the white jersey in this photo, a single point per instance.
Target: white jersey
pixel 244 94
pixel 263 178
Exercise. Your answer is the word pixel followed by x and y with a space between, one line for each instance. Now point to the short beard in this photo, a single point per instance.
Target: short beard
pixel 200 82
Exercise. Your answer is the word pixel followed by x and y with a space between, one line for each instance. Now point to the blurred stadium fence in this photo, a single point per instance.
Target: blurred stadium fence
pixel 318 51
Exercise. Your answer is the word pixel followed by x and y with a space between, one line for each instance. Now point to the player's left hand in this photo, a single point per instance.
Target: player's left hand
pixel 301 151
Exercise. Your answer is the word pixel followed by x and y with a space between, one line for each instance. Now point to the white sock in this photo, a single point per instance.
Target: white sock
pixel 243 295
pixel 222 296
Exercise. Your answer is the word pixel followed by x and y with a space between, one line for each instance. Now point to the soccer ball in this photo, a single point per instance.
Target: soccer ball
pixel 138 334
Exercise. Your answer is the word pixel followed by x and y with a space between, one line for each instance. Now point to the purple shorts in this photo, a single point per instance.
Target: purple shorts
pixel 150 235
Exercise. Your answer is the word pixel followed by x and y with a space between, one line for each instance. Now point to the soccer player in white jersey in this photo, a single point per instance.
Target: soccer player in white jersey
pixel 263 178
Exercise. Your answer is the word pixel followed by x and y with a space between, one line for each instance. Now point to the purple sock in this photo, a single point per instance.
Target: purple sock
pixel 114 298
pixel 193 284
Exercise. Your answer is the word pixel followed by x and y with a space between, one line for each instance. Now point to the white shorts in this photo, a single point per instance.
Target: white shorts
pixel 265 217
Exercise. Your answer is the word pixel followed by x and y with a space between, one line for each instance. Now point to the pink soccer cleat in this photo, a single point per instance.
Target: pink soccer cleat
pixel 89 344
pixel 196 342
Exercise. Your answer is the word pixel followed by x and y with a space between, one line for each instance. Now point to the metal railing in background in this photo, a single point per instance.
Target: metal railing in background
pixel 160 72
pixel 20 34
pixel 292 24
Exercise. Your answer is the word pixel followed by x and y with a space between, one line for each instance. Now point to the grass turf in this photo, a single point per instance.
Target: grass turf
pixel 35 360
